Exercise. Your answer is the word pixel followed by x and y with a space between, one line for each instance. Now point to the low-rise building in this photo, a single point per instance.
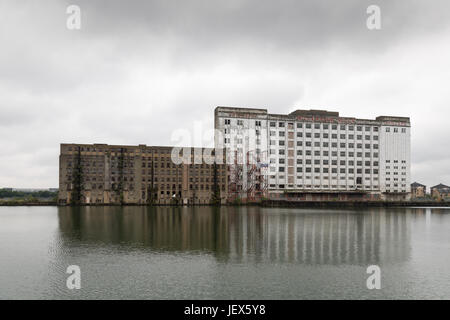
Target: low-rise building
pixel 418 190
pixel 440 192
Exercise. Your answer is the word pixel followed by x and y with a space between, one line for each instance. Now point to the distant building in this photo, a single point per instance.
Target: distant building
pixel 117 174
pixel 418 190
pixel 315 154
pixel 440 191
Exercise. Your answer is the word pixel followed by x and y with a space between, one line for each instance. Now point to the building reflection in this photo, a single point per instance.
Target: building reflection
pixel 249 234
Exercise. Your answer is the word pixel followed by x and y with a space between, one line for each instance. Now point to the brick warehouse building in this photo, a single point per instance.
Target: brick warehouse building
pixel 115 174
pixel 314 155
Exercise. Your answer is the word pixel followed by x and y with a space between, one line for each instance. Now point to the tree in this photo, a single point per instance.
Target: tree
pixel 120 185
pixel 215 199
pixel 77 176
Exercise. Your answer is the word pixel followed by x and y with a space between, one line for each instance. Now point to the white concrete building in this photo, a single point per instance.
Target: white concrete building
pixel 315 154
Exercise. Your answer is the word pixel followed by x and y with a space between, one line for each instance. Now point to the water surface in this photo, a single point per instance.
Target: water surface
pixel 224 253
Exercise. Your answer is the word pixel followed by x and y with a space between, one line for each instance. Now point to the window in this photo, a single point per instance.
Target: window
pixel 273 124
pixel 403 130
pixel 281 133
pixel 388 129
pixel 240 122
pixel 281 124
pixel 299 125
pixel 258 123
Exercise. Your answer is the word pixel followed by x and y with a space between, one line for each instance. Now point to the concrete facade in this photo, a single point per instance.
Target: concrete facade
pixel 318 155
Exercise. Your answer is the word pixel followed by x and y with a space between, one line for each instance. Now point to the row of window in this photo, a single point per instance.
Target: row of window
pixel 317 135
pixel 333 170
pixel 326 153
pixel 324 126
pixel 308 186
pixel 334 162
pixel 318 178
pixel 327 145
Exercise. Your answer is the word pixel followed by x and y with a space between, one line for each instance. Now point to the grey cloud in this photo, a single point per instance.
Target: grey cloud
pixel 137 70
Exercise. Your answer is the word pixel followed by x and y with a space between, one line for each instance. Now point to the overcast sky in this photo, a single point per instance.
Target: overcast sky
pixel 138 70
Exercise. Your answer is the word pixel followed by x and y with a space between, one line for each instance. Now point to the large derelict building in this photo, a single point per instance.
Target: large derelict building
pixel 117 174
pixel 315 154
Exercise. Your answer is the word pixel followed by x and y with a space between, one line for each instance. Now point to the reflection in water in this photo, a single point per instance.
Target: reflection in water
pixel 249 234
